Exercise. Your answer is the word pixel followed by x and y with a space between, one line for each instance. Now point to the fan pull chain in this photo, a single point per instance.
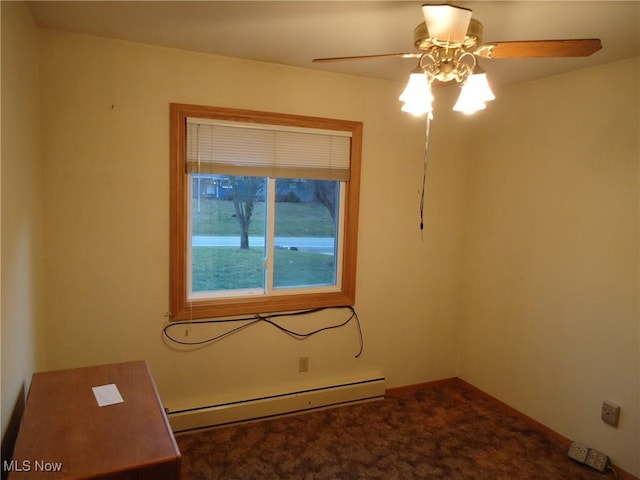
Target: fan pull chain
pixel 424 172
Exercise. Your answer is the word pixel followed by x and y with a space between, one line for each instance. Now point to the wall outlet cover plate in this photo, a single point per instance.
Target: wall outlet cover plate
pixel 610 414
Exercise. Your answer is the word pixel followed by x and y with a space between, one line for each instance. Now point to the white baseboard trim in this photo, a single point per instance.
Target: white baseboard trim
pixel 365 390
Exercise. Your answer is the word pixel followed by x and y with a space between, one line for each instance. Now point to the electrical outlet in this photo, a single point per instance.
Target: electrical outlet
pixel 578 452
pixel 592 458
pixel 303 364
pixel 597 460
pixel 610 414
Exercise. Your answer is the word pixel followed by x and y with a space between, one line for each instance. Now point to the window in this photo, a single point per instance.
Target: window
pixel 264 211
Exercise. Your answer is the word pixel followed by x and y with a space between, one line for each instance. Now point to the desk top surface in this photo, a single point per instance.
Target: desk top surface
pixel 64 433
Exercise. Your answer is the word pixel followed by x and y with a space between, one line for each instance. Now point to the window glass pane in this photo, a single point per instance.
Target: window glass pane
pixel 305 232
pixel 228 232
pixel 209 276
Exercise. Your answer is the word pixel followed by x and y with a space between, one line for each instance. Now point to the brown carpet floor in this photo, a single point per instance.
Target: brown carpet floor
pixel 444 431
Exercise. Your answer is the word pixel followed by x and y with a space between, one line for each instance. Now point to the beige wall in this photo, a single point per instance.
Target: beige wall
pixel 524 282
pixel 551 272
pixel 21 276
pixel 105 111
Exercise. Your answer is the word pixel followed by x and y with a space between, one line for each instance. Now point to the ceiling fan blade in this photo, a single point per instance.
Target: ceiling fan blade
pixel 447 23
pixel 368 57
pixel 540 48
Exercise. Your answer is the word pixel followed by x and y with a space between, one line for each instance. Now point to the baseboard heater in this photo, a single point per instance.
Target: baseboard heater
pixel 277 405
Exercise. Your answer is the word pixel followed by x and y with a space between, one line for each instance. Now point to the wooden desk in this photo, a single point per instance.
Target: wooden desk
pixel 64 434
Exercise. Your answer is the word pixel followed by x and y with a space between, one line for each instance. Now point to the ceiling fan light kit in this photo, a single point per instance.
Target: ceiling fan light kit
pixel 448 44
pixel 447 39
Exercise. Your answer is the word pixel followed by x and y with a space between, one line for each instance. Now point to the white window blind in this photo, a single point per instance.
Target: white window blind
pixel 238 148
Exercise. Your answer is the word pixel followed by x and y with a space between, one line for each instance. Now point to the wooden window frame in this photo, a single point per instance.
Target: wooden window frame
pixel 181 307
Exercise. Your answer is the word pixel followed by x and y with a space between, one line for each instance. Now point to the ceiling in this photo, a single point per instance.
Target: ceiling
pixel 295 32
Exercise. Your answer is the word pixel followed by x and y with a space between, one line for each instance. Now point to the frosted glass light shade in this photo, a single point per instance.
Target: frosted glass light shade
pixel 417 95
pixel 479 87
pixel 467 103
pixel 417 89
pixel 473 95
pixel 447 23
pixel 416 109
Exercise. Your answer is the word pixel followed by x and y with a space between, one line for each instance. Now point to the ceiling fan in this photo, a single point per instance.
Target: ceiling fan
pixel 448 44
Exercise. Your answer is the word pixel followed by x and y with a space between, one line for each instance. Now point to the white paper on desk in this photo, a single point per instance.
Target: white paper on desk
pixel 107 395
